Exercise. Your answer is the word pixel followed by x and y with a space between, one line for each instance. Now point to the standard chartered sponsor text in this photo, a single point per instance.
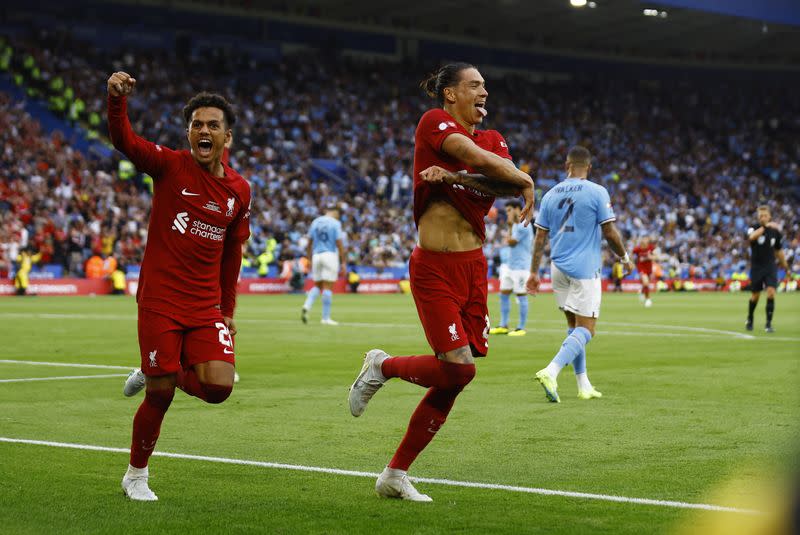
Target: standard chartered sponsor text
pixel 204 230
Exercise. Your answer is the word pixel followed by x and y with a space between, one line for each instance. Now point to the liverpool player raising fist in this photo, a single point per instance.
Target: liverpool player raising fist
pixel 447 268
pixel 187 286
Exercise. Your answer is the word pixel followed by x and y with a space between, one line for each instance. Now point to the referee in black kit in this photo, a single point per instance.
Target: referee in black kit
pixel 765 248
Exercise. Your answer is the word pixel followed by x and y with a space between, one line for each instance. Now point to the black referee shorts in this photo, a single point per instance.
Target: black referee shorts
pixel 763 277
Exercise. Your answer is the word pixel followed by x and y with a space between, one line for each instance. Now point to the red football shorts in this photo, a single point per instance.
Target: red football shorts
pixel 450 291
pixel 645 268
pixel 167 343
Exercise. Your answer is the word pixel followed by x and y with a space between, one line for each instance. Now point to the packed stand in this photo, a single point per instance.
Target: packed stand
pixel 686 165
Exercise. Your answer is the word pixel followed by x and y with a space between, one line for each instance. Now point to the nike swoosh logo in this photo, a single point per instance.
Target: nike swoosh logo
pixel 189 194
pixel 227 351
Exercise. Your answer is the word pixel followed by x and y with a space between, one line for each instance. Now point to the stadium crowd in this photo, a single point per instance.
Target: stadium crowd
pixel 686 164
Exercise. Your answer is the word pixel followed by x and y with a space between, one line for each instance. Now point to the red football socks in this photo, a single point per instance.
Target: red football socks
pixel 646 290
pixel 445 381
pixel 428 371
pixel 147 425
pixel 428 417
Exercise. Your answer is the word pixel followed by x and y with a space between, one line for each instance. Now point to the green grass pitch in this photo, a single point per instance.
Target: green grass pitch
pixel 690 405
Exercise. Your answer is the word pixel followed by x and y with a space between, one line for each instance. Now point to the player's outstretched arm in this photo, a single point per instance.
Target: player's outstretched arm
pixel 229 278
pixel 493 167
pixel 146 156
pixel 614 239
pixel 484 184
pixel 539 243
pixel 485 162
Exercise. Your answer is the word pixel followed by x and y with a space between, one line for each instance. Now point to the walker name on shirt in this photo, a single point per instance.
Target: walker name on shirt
pixel 569 188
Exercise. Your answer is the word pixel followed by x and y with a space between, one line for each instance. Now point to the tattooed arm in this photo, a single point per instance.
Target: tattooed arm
pixel 482 183
pixel 490 186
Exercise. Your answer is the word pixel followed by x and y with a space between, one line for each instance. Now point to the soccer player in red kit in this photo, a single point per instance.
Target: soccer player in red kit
pixel 644 265
pixel 187 286
pixel 458 171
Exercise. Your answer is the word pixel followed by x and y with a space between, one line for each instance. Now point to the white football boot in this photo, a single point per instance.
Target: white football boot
pixel 394 483
pixel 134 485
pixel 134 383
pixel 328 322
pixel 370 379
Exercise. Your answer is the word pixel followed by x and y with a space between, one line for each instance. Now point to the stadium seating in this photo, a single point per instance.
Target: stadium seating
pixel 313 131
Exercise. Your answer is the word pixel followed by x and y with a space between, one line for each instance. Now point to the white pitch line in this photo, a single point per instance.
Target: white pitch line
pixel 684 328
pixel 435 481
pixel 702 332
pixel 27 379
pixel 66 364
pixel 69 316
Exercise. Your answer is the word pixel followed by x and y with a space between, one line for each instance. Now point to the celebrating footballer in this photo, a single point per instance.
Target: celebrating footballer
pixel 187 287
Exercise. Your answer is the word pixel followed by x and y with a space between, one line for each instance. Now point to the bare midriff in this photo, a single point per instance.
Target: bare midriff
pixel 442 228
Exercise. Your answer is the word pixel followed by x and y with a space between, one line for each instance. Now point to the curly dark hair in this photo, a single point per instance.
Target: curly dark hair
pixel 210 100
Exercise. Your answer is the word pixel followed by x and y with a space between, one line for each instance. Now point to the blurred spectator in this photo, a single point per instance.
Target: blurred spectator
pixel 685 163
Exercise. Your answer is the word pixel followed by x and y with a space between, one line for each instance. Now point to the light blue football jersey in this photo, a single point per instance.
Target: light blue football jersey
pixel 521 252
pixel 324 232
pixel 572 212
pixel 505 255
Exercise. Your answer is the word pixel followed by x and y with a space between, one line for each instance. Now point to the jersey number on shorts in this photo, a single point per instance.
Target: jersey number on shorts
pixel 486 330
pixel 225 338
pixel 563 227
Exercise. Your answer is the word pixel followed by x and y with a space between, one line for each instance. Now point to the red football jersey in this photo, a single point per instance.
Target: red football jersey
pixel 197 224
pixel 433 128
pixel 644 254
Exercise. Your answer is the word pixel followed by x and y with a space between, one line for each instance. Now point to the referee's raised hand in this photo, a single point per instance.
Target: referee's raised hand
pixel 121 84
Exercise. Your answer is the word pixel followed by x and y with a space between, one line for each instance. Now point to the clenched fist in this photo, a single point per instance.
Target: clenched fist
pixel 438 174
pixel 121 84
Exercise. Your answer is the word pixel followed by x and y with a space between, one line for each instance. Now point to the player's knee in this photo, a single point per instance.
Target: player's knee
pixel 217 393
pixel 160 399
pixel 462 374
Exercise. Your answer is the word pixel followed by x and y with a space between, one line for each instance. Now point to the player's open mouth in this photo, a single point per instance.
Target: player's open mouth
pixel 204 147
pixel 480 106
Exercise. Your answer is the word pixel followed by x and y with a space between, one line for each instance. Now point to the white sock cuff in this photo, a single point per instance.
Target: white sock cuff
pixel 583 381
pixel 138 472
pixel 394 472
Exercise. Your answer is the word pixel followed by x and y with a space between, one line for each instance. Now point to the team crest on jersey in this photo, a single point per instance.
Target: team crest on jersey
pixel 504 144
pixel 229 213
pixel 761 240
pixel 453 332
